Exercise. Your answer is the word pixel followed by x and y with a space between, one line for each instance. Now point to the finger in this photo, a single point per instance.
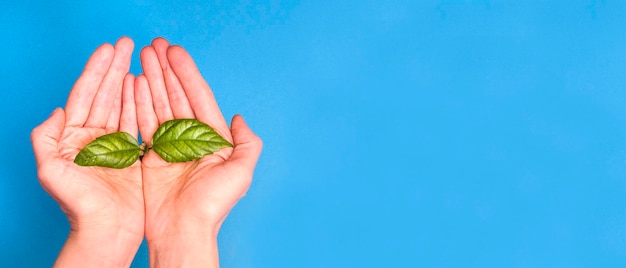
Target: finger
pixel 247 145
pixel 197 90
pixel 113 123
pixel 160 46
pixel 146 117
pixel 246 151
pixel 111 84
pixel 154 76
pixel 128 117
pixel 45 137
pixel 175 93
pixel 85 89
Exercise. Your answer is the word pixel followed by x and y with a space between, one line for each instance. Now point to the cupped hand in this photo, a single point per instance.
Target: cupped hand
pixel 186 203
pixel 104 206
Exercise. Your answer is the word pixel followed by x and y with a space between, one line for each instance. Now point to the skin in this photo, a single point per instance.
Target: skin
pixel 178 206
pixel 186 203
pixel 105 207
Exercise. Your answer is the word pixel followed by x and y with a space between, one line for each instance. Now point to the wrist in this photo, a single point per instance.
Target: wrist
pixel 98 247
pixel 184 248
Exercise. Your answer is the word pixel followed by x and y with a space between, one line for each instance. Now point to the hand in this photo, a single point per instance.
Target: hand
pixel 104 206
pixel 186 203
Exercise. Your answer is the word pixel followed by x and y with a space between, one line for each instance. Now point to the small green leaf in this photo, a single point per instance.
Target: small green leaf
pixel 115 150
pixel 182 140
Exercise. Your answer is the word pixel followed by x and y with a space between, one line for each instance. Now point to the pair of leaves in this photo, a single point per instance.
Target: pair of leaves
pixel 177 140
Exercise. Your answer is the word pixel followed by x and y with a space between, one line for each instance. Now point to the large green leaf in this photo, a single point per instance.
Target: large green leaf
pixel 182 140
pixel 115 150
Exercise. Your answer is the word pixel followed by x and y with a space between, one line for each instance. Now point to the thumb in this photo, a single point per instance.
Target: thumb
pixel 247 145
pixel 45 137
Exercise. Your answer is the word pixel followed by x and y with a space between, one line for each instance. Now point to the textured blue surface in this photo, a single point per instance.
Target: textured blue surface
pixel 397 133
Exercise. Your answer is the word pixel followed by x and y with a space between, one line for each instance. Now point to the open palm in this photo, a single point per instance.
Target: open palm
pixel 178 206
pixel 96 200
pixel 182 198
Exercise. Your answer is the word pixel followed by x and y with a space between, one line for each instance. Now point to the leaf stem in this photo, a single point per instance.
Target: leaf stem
pixel 144 148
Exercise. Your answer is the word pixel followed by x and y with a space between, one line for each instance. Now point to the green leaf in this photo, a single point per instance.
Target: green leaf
pixel 115 150
pixel 182 140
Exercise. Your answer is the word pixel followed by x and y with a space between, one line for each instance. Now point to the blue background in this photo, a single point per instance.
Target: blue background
pixel 397 133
